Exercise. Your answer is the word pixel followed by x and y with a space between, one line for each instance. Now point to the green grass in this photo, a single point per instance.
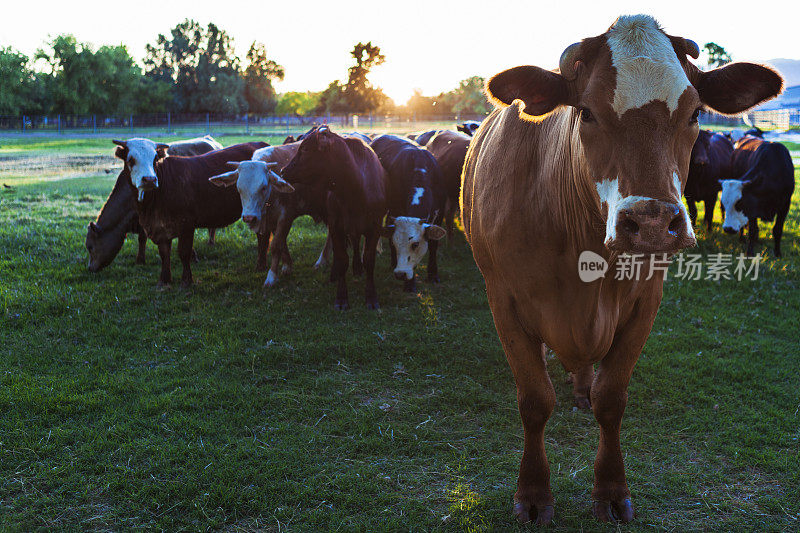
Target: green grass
pixel 232 407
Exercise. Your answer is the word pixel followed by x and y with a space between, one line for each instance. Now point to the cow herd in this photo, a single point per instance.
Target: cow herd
pixel 361 187
pixel 590 158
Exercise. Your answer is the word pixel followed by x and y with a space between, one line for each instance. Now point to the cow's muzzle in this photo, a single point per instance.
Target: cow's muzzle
pixel 651 226
pixel 728 229
pixel 402 275
pixel 149 183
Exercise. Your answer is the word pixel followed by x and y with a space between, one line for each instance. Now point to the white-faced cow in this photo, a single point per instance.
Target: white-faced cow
pixel 416 202
pixel 590 158
pixel 106 235
pixel 762 189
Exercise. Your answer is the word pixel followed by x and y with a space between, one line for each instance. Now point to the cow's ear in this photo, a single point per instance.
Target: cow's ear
pixel 234 164
pixel 433 232
pixel 225 180
pixel 279 183
pixel 161 150
pixel 540 90
pixel 737 87
pixel 122 149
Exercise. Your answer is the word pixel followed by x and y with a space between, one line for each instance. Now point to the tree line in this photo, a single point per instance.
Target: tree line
pixel 194 69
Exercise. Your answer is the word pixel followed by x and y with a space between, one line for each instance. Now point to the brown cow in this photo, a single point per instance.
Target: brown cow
pixel 106 235
pixel 591 160
pixel 175 197
pixel 450 149
pixel 344 175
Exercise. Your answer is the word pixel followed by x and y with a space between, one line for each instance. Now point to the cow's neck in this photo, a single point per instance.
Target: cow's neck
pixel 119 205
pixel 347 182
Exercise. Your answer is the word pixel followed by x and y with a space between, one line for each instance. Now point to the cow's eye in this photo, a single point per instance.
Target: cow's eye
pixel 131 161
pixel 695 116
pixel 414 245
pixel 586 115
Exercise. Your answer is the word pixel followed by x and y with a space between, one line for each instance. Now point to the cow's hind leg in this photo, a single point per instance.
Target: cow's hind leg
pixel 370 249
pixel 185 247
pixel 358 256
pixel 140 255
pixel 582 386
pixel 339 268
pixel 212 236
pixel 536 399
pixel 777 229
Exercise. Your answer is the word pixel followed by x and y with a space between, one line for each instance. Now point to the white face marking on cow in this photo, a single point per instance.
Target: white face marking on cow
pixel 254 189
pixel 608 190
pixel 676 182
pixel 409 241
pixel 140 159
pixel 732 193
pixel 419 192
pixel 647 66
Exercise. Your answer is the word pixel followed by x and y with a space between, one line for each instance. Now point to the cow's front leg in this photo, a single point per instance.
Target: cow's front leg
pixel 536 399
pixel 777 229
pixel 164 252
pixel 433 264
pixel 261 250
pixel 185 247
pixel 370 249
pixel 609 395
pixel 212 236
pixel 279 251
pixel 692 212
pixel 752 236
pixel 140 255
pixel 709 217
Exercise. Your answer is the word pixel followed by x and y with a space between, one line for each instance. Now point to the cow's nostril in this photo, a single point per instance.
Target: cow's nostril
pixel 630 226
pixel 676 225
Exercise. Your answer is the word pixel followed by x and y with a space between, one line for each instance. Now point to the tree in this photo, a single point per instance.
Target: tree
pixel 468 97
pixel 258 76
pixel 297 103
pixel 202 66
pixel 717 56
pixel 22 91
pixel 83 81
pixel 333 99
pixel 359 93
pixel 422 105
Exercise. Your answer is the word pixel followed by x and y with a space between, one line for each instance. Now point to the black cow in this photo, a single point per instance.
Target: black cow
pixel 763 191
pixel 710 163
pixel 423 138
pixel 469 127
pixel 416 202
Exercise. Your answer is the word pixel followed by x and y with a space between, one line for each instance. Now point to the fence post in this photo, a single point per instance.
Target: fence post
pixel 23 123
pixel 94 123
pixel 59 123
pixel 208 124
pixel 131 120
pixel 247 123
pixel 169 123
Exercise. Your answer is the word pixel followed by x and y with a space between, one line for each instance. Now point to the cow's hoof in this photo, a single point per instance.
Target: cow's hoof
pixel 613 511
pixel 434 279
pixel 341 305
pixel 163 285
pixel 525 512
pixel 583 403
pixel 271 280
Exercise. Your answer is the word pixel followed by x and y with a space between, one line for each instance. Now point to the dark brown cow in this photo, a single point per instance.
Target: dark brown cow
pixel 345 176
pixel 710 162
pixel 106 235
pixel 588 162
pixel 177 198
pixel 450 149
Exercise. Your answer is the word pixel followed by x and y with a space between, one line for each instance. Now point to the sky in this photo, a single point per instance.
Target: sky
pixel 429 45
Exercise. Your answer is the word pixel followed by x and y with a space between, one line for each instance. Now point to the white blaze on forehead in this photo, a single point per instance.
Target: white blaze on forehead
pixel 143 153
pixel 419 192
pixel 647 66
pixel 676 182
pixel 732 193
pixel 407 232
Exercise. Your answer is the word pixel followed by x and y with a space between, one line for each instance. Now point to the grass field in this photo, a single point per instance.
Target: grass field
pixel 231 407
